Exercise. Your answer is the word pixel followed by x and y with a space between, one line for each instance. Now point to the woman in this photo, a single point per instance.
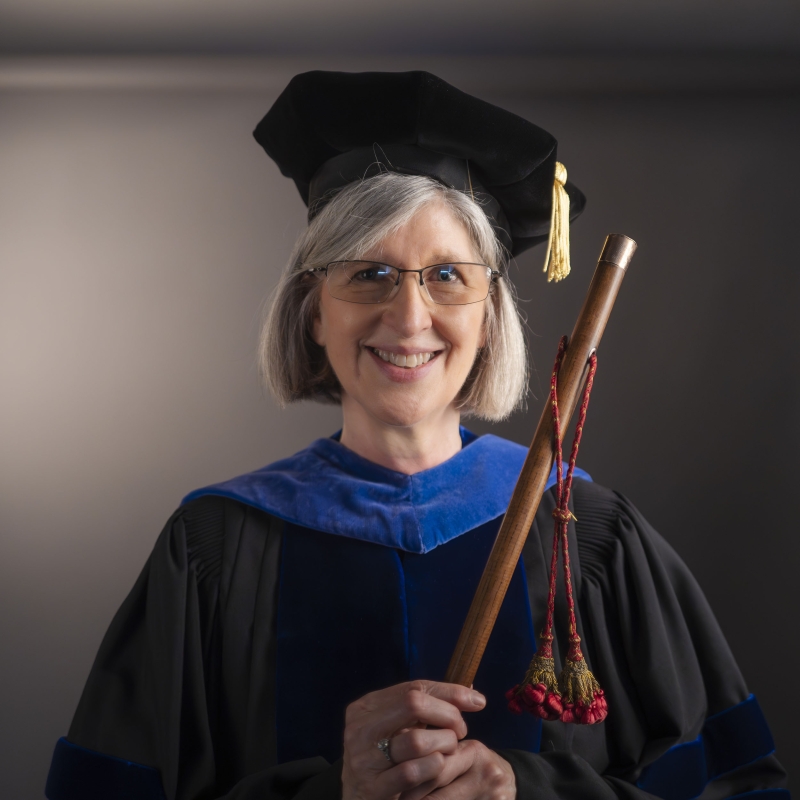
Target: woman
pixel 289 634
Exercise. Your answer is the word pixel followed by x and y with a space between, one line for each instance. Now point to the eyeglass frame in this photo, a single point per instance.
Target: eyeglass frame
pixel 493 275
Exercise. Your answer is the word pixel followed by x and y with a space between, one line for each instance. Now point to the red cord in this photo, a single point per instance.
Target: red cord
pixel 575 696
pixel 562 513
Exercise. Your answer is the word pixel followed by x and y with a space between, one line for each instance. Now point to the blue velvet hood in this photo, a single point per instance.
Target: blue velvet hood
pixel 328 488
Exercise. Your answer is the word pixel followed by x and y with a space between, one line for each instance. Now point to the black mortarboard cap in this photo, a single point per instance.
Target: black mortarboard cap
pixel 328 129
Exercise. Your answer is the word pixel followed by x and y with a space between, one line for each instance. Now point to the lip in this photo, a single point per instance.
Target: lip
pixel 402 374
pixel 403 351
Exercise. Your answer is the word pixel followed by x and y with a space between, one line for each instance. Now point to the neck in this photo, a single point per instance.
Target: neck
pixel 402 448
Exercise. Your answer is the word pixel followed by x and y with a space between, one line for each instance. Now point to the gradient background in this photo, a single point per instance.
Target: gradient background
pixel 141 228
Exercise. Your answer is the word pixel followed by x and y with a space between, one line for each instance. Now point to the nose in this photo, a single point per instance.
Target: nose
pixel 408 312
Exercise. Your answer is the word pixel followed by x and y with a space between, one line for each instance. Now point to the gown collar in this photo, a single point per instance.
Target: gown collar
pixel 329 488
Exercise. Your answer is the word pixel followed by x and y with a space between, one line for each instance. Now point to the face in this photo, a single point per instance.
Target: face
pixel 365 342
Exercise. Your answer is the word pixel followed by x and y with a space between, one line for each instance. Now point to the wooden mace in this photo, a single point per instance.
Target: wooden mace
pixel 611 267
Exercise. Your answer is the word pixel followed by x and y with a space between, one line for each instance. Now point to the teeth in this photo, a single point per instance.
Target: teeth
pixel 409 362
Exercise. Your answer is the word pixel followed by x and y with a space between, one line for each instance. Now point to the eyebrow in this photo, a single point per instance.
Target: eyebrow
pixel 439 257
pixel 445 258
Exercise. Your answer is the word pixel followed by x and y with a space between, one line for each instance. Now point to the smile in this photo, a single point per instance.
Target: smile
pixel 408 362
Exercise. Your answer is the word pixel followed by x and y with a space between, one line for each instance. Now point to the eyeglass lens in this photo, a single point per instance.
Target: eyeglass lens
pixel 372 282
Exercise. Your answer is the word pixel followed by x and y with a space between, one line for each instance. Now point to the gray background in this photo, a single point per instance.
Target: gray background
pixel 141 229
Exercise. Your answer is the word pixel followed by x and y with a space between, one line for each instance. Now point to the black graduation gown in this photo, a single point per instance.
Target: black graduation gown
pixel 185 679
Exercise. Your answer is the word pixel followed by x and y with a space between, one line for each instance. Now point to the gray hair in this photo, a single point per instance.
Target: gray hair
pixel 357 219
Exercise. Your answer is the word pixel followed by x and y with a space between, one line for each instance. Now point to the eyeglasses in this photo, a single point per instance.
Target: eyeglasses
pixel 452 284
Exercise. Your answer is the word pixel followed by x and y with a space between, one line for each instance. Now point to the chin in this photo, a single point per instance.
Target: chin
pixel 401 411
pixel 400 419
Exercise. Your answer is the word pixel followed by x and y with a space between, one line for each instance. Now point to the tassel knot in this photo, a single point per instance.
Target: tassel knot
pixel 562 514
pixel 556 261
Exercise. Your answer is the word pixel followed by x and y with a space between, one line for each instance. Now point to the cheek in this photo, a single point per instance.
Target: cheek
pixel 341 327
pixel 466 333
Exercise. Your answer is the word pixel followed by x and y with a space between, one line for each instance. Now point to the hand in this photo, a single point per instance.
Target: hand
pixel 401 714
pixel 472 772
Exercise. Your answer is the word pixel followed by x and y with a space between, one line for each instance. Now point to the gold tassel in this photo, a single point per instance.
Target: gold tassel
pixel 542 670
pixel 577 683
pixel 556 262
pixel 538 692
pixel 583 699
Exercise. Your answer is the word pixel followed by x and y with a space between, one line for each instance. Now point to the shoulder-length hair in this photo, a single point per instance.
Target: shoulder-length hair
pixel 294 367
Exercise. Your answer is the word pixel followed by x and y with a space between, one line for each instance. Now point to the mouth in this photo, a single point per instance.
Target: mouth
pixel 411 361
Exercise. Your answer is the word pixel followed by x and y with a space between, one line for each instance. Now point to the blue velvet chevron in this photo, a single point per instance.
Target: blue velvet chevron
pixel 730 739
pixel 328 488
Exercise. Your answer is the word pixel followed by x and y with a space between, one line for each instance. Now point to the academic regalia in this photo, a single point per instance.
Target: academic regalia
pixel 272 600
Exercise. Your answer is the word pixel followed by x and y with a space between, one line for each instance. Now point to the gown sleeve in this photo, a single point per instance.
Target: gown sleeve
pixel 681 723
pixel 179 702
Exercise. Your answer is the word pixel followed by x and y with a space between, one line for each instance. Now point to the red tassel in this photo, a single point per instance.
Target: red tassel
pixel 514 702
pixel 536 700
pixel 538 693
pixel 541 702
pixel 576 696
pixel 583 714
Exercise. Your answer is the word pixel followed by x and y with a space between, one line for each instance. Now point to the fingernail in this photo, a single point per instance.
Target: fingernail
pixel 478 699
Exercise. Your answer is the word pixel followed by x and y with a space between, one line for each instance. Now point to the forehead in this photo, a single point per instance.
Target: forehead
pixel 433 235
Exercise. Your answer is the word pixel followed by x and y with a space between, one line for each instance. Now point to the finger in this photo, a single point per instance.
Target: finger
pixel 456 765
pixel 410 708
pixel 471 786
pixel 463 698
pixel 409 744
pixel 465 787
pixel 460 696
pixel 417 742
pixel 486 778
pixel 408 774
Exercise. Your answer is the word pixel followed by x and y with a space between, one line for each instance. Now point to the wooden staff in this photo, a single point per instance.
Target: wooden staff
pixel 612 265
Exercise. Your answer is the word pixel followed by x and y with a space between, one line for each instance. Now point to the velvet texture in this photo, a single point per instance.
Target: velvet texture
pixel 80 774
pixel 328 488
pixel 333 647
pixel 730 739
pixel 321 115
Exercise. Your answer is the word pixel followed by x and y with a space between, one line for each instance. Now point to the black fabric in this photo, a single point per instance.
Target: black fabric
pixel 328 129
pixel 185 678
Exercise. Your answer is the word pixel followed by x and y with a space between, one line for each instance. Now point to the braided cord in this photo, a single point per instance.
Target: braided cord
pixel 547 635
pixel 561 513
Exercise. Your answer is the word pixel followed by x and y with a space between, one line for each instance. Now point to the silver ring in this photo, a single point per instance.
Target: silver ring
pixel 383 746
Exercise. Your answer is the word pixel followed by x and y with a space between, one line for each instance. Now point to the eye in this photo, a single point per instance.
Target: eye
pixel 445 273
pixel 371 273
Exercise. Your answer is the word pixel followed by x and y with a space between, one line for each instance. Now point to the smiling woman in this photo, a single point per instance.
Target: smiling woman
pixel 327 339
pixel 289 635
